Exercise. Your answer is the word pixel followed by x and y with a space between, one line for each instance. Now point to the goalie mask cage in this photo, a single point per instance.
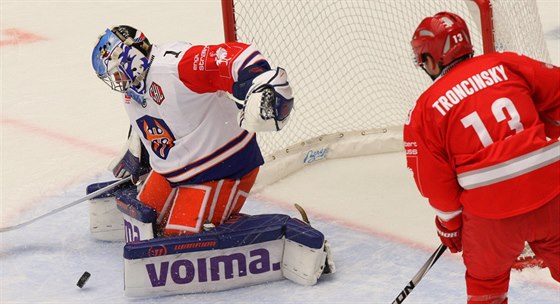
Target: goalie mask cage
pixel 351 67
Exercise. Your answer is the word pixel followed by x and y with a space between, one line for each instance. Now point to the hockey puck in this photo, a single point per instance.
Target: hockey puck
pixel 83 279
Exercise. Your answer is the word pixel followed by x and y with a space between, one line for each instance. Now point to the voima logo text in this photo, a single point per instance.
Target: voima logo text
pixel 185 271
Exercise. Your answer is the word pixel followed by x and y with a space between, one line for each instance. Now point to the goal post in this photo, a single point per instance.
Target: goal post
pixel 351 67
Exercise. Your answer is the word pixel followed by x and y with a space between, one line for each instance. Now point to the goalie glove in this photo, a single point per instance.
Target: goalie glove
pixel 132 160
pixel 268 103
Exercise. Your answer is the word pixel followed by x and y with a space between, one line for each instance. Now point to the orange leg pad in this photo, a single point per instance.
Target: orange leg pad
pixel 186 214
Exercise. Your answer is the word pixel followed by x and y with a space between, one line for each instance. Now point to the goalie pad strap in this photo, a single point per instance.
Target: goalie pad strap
pixel 139 219
pixel 237 231
pixel 129 205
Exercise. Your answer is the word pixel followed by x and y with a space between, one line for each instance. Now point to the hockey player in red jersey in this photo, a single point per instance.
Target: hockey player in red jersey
pixel 201 144
pixel 482 143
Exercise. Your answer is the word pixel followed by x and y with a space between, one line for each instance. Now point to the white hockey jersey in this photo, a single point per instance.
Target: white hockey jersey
pixel 189 124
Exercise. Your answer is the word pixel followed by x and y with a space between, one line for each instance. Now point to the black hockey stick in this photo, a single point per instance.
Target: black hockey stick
pixel 85 198
pixel 421 273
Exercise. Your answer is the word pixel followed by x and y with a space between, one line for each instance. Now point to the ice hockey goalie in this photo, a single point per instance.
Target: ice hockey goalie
pixel 245 250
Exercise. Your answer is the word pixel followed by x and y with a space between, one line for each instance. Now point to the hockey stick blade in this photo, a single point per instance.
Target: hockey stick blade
pixel 85 198
pixel 329 264
pixel 421 273
pixel 302 213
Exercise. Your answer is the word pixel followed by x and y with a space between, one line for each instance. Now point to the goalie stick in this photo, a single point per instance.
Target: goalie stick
pixel 421 273
pixel 85 198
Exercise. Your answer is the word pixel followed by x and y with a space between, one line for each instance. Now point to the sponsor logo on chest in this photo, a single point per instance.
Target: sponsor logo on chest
pixel 156 93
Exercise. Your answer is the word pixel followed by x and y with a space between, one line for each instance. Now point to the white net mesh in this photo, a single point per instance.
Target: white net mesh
pixel 518 28
pixel 350 61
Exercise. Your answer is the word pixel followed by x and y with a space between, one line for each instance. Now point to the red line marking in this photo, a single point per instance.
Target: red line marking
pixel 16 36
pixel 31 201
pixel 60 137
pixel 344 222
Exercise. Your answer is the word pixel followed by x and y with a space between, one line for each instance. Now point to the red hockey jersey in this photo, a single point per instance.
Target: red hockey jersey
pixel 476 140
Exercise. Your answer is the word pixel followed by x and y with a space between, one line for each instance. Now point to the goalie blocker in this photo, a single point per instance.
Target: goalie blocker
pixel 245 250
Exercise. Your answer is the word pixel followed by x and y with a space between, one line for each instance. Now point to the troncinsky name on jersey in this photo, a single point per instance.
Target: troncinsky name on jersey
pixel 468 87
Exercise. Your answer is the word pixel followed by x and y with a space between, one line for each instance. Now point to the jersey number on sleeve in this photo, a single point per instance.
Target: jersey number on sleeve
pixel 499 107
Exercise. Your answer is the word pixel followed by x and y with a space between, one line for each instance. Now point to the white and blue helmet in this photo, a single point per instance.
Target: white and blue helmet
pixel 120 59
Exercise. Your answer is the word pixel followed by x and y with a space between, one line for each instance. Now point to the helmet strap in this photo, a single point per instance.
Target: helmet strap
pixel 427 59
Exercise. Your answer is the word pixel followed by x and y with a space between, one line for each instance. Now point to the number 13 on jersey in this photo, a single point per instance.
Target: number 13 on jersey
pixel 499 109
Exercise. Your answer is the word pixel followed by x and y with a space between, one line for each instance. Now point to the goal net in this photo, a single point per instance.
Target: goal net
pixel 351 66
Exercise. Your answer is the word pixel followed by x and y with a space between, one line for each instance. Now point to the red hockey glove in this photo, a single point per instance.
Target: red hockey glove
pixel 450 233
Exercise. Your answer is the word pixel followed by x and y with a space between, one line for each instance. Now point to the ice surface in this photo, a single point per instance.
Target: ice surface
pixel 60 126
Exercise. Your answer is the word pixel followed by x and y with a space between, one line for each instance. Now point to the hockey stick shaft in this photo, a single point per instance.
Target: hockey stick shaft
pixel 421 273
pixel 85 198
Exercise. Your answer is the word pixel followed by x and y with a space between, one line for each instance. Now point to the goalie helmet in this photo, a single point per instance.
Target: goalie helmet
pixel 120 59
pixel 445 37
